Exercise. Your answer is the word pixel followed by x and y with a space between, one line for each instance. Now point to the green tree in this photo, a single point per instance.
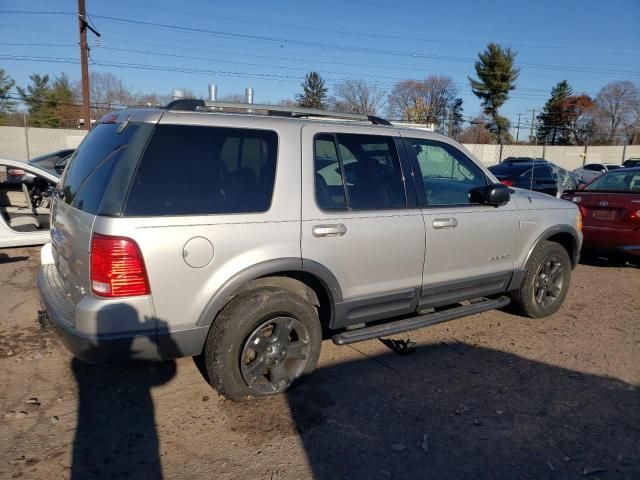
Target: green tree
pixel 64 97
pixel 553 126
pixel 314 92
pixel 7 105
pixel 37 97
pixel 496 78
pixel 50 104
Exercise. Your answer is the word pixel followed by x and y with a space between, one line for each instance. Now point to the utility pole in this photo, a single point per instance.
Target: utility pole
pixel 26 135
pixel 518 128
pixel 84 63
pixel 533 120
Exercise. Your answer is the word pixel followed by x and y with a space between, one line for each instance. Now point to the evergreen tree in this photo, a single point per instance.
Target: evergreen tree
pixel 553 128
pixel 50 104
pixel 6 104
pixel 496 78
pixel 314 92
pixel 63 96
pixel 37 96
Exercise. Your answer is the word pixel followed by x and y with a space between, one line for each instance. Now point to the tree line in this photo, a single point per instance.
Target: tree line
pixel 567 118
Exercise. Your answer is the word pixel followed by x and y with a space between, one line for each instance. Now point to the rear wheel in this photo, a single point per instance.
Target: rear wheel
pixel 546 281
pixel 262 343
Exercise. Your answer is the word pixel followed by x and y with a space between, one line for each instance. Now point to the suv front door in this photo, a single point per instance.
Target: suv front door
pixel 470 247
pixel 360 221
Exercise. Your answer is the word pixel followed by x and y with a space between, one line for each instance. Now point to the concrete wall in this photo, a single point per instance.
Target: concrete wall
pixel 13 145
pixel 566 157
pixel 13 141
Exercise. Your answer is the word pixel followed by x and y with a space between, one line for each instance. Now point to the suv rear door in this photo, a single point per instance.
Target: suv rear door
pixel 361 221
pixel 105 158
pixel 470 247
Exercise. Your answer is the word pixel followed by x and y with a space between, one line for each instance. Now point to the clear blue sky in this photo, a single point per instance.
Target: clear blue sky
pixel 269 45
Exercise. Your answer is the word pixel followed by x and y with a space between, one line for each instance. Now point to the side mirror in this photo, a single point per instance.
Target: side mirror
pixel 495 194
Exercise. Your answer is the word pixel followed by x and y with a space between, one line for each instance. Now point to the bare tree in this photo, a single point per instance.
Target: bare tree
pixel 422 101
pixel 357 96
pixel 477 132
pixel 107 93
pixel 617 109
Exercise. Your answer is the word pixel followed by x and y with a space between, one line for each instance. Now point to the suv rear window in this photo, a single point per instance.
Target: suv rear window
pixel 198 170
pixel 90 169
pixel 358 172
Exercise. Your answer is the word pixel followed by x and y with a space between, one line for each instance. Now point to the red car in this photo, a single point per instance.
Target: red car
pixel 610 207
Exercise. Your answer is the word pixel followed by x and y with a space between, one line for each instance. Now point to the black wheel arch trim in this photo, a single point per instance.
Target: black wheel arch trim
pixel 518 274
pixel 220 298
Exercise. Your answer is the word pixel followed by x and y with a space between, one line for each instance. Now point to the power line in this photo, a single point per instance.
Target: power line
pixel 343 47
pixel 304 43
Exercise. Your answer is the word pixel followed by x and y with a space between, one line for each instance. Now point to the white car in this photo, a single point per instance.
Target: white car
pixel 24 212
pixel 592 171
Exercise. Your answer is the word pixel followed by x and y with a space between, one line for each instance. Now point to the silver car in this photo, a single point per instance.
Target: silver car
pixel 591 171
pixel 294 222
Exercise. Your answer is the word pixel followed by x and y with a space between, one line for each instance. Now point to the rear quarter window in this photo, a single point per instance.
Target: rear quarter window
pixel 199 170
pixel 89 172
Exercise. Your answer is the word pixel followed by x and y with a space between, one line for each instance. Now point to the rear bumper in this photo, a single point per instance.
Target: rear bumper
pixel 130 333
pixel 620 240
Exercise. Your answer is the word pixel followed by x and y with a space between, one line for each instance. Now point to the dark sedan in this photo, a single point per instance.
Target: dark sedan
pixel 547 177
pixel 610 207
pixel 53 162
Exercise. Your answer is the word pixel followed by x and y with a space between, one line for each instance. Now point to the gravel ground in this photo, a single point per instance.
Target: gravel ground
pixel 491 396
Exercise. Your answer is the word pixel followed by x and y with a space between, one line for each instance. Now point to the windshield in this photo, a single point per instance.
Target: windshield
pixel 618 181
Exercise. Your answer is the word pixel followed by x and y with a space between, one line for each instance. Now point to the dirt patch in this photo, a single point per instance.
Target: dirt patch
pixel 494 395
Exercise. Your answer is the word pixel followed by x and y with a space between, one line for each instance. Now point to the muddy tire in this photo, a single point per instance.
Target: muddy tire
pixel 262 343
pixel 546 281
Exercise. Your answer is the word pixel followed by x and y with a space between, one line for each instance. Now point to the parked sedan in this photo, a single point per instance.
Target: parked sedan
pixel 53 162
pixel 547 177
pixel 610 207
pixel 592 171
pixel 24 215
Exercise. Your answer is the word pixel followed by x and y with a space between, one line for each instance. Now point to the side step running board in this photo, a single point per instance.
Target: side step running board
pixel 414 323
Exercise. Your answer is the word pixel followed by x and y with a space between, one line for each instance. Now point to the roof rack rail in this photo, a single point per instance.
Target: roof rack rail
pixel 194 105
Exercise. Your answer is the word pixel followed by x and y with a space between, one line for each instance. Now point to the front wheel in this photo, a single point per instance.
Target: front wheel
pixel 546 281
pixel 261 343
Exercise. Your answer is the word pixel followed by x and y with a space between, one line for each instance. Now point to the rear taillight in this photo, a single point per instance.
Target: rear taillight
pixel 117 267
pixel 15 172
pixel 635 215
pixel 508 183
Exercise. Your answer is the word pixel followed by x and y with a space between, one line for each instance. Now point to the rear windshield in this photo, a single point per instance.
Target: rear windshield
pixel 199 170
pixel 90 169
pixel 618 181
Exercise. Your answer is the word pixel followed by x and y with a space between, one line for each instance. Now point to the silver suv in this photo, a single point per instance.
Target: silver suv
pixel 244 235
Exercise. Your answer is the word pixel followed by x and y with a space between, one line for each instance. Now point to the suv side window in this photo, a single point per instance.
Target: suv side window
pixel 370 166
pixel 196 170
pixel 541 173
pixel 447 174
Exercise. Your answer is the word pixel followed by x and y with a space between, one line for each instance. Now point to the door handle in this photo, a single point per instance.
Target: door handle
pixel 445 223
pixel 335 230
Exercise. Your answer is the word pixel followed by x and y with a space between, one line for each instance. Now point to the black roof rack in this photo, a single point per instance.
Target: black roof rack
pixel 193 105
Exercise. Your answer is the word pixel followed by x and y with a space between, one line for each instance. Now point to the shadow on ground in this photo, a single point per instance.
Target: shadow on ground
pixel 445 411
pixel 116 434
pixel 457 411
pixel 593 259
pixel 4 258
